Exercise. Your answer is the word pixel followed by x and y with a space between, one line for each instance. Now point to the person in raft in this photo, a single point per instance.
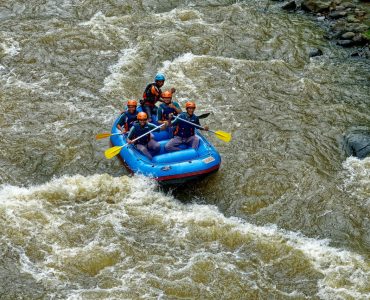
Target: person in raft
pixel 152 94
pixel 146 145
pixel 184 132
pixel 128 117
pixel 168 109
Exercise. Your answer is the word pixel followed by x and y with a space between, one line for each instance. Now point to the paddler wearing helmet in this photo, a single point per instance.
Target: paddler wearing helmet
pixel 168 108
pixel 128 117
pixel 146 145
pixel 152 94
pixel 184 132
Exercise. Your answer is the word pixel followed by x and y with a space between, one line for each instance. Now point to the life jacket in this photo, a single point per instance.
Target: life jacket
pixel 140 131
pixel 183 129
pixel 129 119
pixel 166 111
pixel 151 94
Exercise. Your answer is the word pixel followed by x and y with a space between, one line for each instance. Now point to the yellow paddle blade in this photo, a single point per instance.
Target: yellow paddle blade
pixel 102 135
pixel 224 136
pixel 112 152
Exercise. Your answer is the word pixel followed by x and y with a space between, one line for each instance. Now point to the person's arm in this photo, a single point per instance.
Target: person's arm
pixel 130 134
pixel 152 126
pixel 121 122
pixel 176 107
pixel 205 127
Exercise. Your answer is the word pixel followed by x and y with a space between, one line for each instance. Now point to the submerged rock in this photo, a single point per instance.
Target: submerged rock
pixel 315 52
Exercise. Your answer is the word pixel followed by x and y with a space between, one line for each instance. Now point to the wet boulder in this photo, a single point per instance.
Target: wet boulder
pixel 357 144
pixel 337 14
pixel 317 6
pixel 291 5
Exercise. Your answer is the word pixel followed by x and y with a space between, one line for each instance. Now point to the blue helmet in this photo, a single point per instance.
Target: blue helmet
pixel 159 77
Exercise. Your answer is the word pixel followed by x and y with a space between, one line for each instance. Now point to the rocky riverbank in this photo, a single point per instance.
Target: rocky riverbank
pixel 347 23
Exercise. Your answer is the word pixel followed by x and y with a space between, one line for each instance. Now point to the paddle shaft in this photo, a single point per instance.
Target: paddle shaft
pixel 138 138
pixel 196 125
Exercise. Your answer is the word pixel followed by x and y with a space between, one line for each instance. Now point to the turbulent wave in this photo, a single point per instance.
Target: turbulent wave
pixel 99 236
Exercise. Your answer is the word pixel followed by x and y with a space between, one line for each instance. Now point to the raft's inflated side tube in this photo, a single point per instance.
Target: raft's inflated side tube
pixel 174 167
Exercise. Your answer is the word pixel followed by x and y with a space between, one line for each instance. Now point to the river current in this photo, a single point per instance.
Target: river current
pixel 286 216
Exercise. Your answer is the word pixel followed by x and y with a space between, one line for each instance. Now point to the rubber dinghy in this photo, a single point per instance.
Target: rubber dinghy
pixel 169 168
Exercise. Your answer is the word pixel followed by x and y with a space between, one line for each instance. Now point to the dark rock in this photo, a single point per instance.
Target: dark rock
pixel 315 52
pixel 341 27
pixel 316 5
pixel 291 5
pixel 360 13
pixel 366 37
pixel 357 144
pixel 348 35
pixel 339 8
pixel 352 19
pixel 349 5
pixel 345 43
pixel 337 14
pixel 360 40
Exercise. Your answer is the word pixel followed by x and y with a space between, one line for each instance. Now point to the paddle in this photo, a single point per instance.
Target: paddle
pixel 222 135
pixel 113 151
pixel 203 116
pixel 104 135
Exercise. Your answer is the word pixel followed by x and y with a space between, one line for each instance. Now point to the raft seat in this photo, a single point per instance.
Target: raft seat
pixel 164 142
pixel 177 156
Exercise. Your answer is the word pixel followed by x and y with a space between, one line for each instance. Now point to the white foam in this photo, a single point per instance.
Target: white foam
pixel 357 178
pixel 117 76
pixel 345 274
pixel 10 46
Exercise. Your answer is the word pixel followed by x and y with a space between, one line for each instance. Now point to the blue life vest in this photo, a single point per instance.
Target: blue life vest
pixel 127 119
pixel 166 111
pixel 183 129
pixel 138 131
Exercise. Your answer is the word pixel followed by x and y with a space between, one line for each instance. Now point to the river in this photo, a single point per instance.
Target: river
pixel 286 216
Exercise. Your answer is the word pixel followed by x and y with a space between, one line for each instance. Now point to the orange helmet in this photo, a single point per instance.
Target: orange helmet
pixel 132 102
pixel 142 116
pixel 166 94
pixel 190 104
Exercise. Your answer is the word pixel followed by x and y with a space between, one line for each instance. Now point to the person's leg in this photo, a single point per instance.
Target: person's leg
pixel 155 110
pixel 154 147
pixel 144 150
pixel 173 144
pixel 193 142
pixel 170 131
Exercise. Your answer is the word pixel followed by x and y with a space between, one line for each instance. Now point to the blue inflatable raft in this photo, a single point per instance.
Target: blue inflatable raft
pixel 169 168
